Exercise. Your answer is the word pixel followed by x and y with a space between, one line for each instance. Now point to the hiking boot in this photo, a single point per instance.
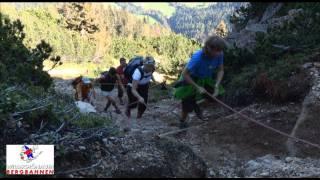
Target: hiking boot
pixel 127 112
pixel 139 115
pixel 200 116
pixel 183 124
pixel 126 129
pixel 121 102
pixel 118 111
pixel 105 109
pixel 199 113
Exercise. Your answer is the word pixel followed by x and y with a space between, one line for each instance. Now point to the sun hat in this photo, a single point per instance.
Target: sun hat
pixel 86 80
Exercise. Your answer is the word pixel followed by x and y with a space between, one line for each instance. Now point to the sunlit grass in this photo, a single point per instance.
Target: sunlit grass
pixel 150 19
pixel 164 8
pixel 70 70
pixel 197 5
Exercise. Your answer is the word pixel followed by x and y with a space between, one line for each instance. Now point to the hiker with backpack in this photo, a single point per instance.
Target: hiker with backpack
pixel 197 78
pixel 139 73
pixel 124 80
pixel 108 80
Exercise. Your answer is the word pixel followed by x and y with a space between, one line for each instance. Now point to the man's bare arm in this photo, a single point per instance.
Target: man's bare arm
pixel 120 82
pixel 219 75
pixel 134 90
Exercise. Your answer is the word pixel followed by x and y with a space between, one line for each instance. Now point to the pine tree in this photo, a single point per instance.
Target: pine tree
pixel 221 30
pixel 77 19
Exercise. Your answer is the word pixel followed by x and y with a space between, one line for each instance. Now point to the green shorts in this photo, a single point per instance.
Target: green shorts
pixel 186 90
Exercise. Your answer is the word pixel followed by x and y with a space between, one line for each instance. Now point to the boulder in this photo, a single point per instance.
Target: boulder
pixel 307 125
pixel 245 38
pixel 158 158
pixel 85 107
pixel 134 156
pixel 271 10
pixel 270 166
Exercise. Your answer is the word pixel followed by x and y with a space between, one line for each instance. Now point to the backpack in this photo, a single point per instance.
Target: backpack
pixel 106 85
pixel 104 74
pixel 76 81
pixel 133 64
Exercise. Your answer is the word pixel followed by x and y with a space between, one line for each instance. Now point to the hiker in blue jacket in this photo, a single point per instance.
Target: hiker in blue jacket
pixel 197 77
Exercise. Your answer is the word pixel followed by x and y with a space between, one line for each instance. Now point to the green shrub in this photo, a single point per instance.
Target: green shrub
pixel 271 69
pixel 22 65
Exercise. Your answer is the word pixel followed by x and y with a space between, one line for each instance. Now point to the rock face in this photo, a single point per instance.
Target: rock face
pixel 278 22
pixel 135 156
pixel 308 126
pixel 271 10
pixel 245 38
pixel 271 166
pixel 160 158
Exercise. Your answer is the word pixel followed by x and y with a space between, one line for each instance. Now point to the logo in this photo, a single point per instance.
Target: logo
pixel 28 154
pixel 29 159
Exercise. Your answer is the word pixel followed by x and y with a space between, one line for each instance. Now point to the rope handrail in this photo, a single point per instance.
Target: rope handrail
pixel 246 117
pixel 263 125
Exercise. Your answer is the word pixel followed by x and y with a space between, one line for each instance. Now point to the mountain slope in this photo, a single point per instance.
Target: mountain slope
pixel 117 33
pixel 194 20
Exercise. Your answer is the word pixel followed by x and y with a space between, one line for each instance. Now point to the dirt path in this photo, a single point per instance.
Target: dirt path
pixel 224 144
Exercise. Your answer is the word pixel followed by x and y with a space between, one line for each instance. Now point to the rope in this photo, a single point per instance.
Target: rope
pixel 204 123
pixel 171 109
pixel 233 110
pixel 246 117
pixel 261 124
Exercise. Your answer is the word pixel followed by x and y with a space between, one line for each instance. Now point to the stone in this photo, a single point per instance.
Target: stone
pixel 45 138
pixel 316 64
pixel 288 159
pixel 307 65
pixel 252 165
pixel 264 174
pixel 211 173
pixel 19 124
pixel 105 140
pixel 257 28
pixel 294 12
pixel 288 167
pixel 82 148
pixel 271 10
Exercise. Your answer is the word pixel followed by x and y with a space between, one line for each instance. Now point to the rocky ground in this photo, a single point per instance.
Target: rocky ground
pixel 275 166
pixel 219 147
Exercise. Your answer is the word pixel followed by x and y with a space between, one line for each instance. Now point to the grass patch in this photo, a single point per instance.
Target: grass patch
pixel 164 8
pixel 91 121
pixel 150 20
pixel 71 70
pixel 197 5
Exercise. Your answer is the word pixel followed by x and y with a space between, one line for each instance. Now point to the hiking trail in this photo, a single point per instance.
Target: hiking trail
pixel 226 145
